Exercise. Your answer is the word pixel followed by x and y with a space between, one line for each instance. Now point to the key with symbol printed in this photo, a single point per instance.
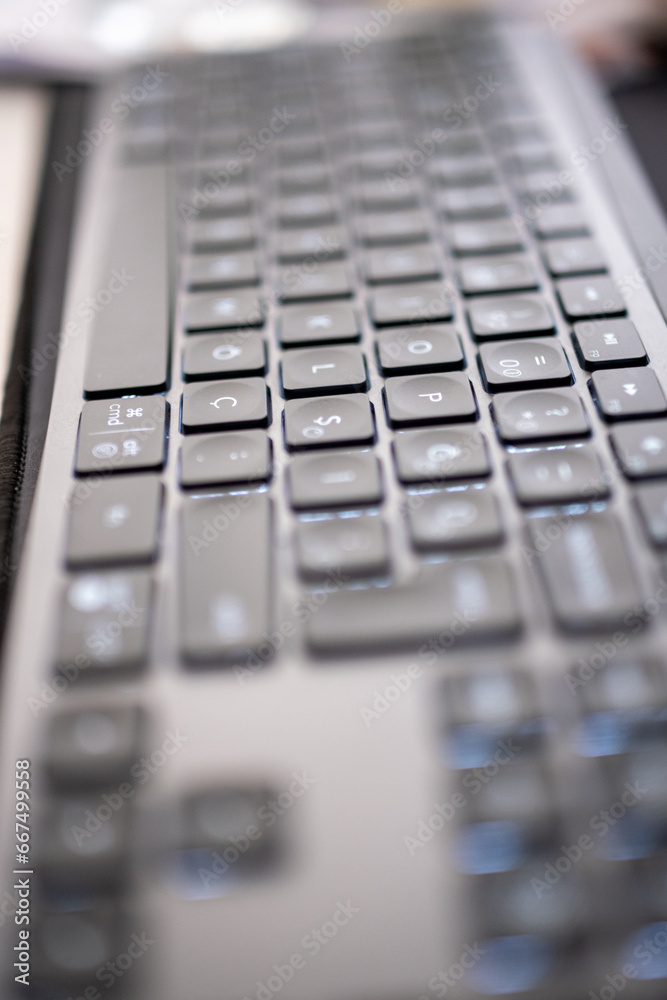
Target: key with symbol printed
pixel 223 354
pixel 523 364
pixel 627 392
pixel 328 420
pixel 117 435
pixel 229 404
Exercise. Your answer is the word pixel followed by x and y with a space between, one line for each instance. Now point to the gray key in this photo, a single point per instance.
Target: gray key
pixel 468 169
pixel 224 354
pixel 104 620
pixel 393 227
pixel 70 947
pixel 651 500
pixel 587 569
pixel 609 343
pixel 628 392
pixel 75 852
pixel 401 264
pixel 501 273
pixel 418 303
pixel 328 323
pixel 485 236
pixel 328 420
pixel 340 479
pixel 222 459
pixel 484 202
pixel 445 521
pixel 354 546
pixel 561 220
pixel 524 364
pixel 220 311
pixel 225 405
pixel 225 596
pixel 380 196
pixel 586 298
pixel 538 186
pixel 311 209
pixel 561 475
pixel 325 281
pixel 641 448
pixel 573 256
pixel 412 349
pixel 128 347
pixel 237 199
pixel 438 455
pixel 222 234
pixel 118 435
pixel 218 818
pixel 428 399
pixel 117 522
pixel 503 316
pixel 542 415
pixel 469 599
pixel 323 370
pixel 212 270
pixel 304 177
pixel 93 746
pixel 324 243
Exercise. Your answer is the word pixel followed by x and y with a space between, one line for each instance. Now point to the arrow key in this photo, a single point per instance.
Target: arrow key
pixel 623 393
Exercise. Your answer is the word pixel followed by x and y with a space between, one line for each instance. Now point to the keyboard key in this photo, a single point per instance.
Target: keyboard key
pixel 326 281
pixel 524 364
pixel 356 546
pixel 587 570
pixel 445 521
pixel 408 350
pixel 212 311
pixel 470 599
pixel 311 209
pixel 305 325
pixel 627 392
pixel 104 619
pixel 503 273
pixel 394 227
pixel 509 316
pixel 223 354
pixel 380 196
pixel 117 522
pixel 587 298
pixel 304 177
pixel 341 479
pixel 573 256
pixel 641 448
pixel 429 399
pixel 328 420
pixel 121 435
pixel 237 199
pixel 542 415
pixel 401 264
pixel 91 856
pixel 221 459
pixel 417 303
pixel 222 234
pixel 225 405
pixel 211 270
pixel 93 746
pixel 461 203
pixel 651 500
pixel 468 169
pixel 609 343
pixel 323 370
pixel 492 236
pixel 225 595
pixel 561 220
pixel 561 475
pixel 535 187
pixel 438 455
pixel 71 947
pixel 296 245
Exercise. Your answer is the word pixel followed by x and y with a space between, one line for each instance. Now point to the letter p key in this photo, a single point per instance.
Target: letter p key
pixel 435 397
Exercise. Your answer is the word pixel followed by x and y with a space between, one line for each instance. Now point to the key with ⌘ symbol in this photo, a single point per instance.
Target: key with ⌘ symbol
pixel 406 350
pixel 355 546
pixel 223 354
pixel 418 303
pixel 504 316
pixel 437 455
pixel 609 343
pixel 455 520
pixel 339 479
pixel 428 399
pixel 119 435
pixel 320 370
pixel 117 522
pixel 523 364
pixel 541 415
pixel 558 475
pixel 232 457
pixel 229 404
pixel 219 311
pixel 628 392
pixel 641 448
pixel 330 322
pixel 328 420
pixel 588 298
pixel 225 596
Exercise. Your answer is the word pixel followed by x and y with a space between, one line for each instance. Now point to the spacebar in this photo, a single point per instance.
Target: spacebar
pixel 128 349
pixel 454 601
pixel 225 575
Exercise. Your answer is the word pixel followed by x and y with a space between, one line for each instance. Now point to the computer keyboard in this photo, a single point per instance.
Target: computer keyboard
pixel 343 601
